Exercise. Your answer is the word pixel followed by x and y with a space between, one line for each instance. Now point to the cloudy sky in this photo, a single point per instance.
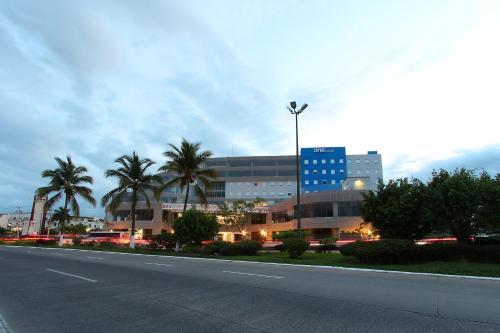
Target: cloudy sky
pixel 419 81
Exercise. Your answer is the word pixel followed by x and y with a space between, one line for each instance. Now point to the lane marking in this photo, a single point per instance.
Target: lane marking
pixel 253 274
pixel 60 254
pixel 157 264
pixel 72 275
pixel 28 251
pixel 99 258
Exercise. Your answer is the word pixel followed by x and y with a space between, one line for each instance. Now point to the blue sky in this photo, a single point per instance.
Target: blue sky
pixel 416 80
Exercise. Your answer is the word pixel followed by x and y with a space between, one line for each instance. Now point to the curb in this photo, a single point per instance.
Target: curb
pixel 369 270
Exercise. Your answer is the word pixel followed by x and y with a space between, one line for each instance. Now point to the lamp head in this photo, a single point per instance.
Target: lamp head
pixel 293 104
pixel 303 107
pixel 289 109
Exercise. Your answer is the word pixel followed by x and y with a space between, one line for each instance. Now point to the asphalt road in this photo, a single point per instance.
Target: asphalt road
pixel 59 290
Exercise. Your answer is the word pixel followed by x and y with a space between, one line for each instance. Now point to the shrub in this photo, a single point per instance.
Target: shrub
pixel 490 240
pixel 213 248
pixel 327 245
pixel 441 252
pixel 387 251
pixel 195 226
pixel 485 254
pixel 164 241
pixel 77 241
pixel 42 242
pixel 192 248
pixel 280 247
pixel 243 248
pixel 295 247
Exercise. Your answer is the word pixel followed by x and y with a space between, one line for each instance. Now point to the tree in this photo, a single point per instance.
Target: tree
pixel 66 180
pixel 134 184
pixel 398 209
pixel 461 202
pixel 76 229
pixel 185 163
pixel 238 213
pixel 195 226
pixel 61 216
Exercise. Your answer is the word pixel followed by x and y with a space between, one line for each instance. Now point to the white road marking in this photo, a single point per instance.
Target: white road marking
pixel 28 251
pixel 72 275
pixel 95 258
pixel 252 274
pixel 154 263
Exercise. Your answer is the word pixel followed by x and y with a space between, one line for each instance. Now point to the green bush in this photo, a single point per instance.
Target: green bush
pixel 192 248
pixel 42 242
pixel 25 242
pixel 387 251
pixel 77 241
pixel 280 247
pixel 484 254
pixel 441 252
pixel 213 248
pixel 295 247
pixel 490 240
pixel 243 248
pixel 195 226
pixel 164 241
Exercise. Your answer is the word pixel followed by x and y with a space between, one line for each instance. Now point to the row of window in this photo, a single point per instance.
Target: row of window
pixel 261 183
pixel 358 172
pixel 323 161
pixel 366 161
pixel 246 194
pixel 323 172
pixel 323 182
pixel 319 209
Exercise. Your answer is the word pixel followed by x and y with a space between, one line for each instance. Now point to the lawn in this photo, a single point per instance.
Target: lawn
pixel 329 259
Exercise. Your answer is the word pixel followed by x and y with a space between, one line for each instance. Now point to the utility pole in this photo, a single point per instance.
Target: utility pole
pixel 19 215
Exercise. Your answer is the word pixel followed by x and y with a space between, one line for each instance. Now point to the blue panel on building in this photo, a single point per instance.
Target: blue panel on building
pixel 322 168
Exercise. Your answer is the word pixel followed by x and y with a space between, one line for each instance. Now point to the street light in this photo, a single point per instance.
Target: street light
pixel 293 110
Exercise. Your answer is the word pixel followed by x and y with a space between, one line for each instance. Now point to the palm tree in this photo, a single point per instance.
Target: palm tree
pixel 66 180
pixel 61 216
pixel 133 182
pixel 185 163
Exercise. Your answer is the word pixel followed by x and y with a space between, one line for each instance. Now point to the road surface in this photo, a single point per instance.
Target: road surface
pixel 61 290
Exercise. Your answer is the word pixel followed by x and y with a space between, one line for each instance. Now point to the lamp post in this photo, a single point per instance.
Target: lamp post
pixel 293 110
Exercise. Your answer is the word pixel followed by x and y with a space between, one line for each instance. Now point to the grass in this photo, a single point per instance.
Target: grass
pixel 324 259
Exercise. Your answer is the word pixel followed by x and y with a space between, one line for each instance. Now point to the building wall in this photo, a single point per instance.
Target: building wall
pixel 363 171
pixel 322 168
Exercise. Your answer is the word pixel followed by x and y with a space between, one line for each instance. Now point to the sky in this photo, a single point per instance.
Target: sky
pixel 418 81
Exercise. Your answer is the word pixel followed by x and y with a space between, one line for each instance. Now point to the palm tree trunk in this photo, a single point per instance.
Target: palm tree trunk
pixel 61 223
pixel 186 199
pixel 132 212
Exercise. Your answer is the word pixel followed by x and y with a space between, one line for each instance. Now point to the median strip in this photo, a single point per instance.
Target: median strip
pixel 72 275
pixel 157 264
pixel 253 274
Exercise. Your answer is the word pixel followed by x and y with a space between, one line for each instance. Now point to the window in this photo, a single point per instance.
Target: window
pixel 323 182
pixel 323 161
pixel 349 172
pixel 306 182
pixel 289 194
pixel 263 193
pixel 367 161
pixel 281 183
pixel 306 191
pixel 333 182
pixel 376 171
pixel 341 161
pixel 281 194
pixel 349 208
pixel 289 183
pixel 306 172
pixel 239 194
pixel 358 161
pixel 315 172
pixel 332 172
pixel 332 161
pixel 272 193
pixel 341 170
pixel 349 161
pixel 367 171
pixel 375 161
pixel 315 182
pixel 306 161
pixel 358 172
pixel 323 172
pixel 315 161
